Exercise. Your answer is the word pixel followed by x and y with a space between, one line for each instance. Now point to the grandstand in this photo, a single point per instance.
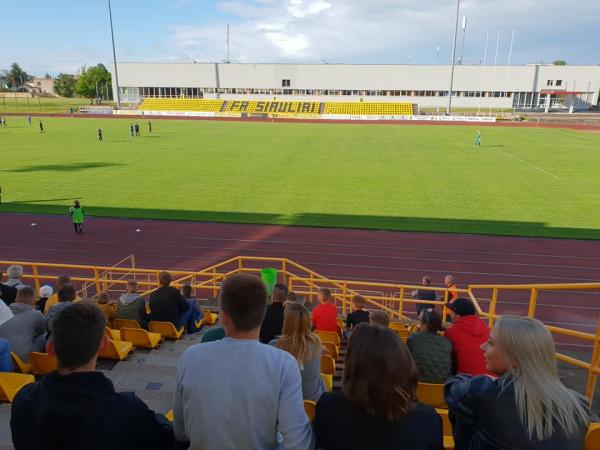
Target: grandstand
pixel 370 108
pixel 166 104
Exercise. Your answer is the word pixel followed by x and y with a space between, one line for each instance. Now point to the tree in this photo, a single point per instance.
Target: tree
pixel 64 85
pixel 560 62
pixel 92 78
pixel 17 76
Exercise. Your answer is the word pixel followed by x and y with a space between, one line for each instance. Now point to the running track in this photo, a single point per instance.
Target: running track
pixel 355 254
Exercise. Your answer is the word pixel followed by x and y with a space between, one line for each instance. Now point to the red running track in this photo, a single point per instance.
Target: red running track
pixel 341 253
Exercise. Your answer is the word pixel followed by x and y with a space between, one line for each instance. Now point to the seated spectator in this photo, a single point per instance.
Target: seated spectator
pixel 131 305
pixel 109 310
pixel 527 407
pixel 424 294
pixel 432 353
pixel 6 364
pixel 236 392
pixel 380 317
pixel 46 292
pixel 25 330
pixel 467 333
pixel 195 312
pixel 214 334
pixel 167 304
pixel 7 293
pixel 53 300
pixel 77 407
pixel 324 316
pixel 14 274
pixel 293 298
pixel 273 322
pixel 358 314
pixel 377 408
pixel 66 297
pixel 297 339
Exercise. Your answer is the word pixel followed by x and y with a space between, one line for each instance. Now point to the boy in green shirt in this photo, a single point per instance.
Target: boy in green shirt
pixel 77 215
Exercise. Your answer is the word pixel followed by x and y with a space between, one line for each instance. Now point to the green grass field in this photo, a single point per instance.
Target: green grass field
pixel 8 104
pixel 528 182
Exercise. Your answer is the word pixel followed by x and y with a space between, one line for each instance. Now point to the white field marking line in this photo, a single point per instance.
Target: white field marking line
pixel 527 163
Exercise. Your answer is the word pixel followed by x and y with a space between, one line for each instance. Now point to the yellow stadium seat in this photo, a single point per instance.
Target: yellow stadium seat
pixel 310 407
pixel 42 363
pixel 210 318
pixel 114 335
pixel 140 337
pixel 117 350
pixel 166 329
pixel 199 323
pixel 329 336
pixel 126 323
pixel 327 365
pixel 403 334
pixel 447 427
pixel 148 310
pixel 181 104
pixel 592 438
pixel 169 415
pixel 431 394
pixel 12 383
pixel 20 365
pixel 396 326
pixel 331 349
pixel 328 381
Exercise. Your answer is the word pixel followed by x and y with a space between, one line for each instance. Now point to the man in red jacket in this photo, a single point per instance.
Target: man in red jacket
pixel 467 334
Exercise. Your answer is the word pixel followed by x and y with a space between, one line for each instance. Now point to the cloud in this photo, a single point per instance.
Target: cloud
pixel 388 31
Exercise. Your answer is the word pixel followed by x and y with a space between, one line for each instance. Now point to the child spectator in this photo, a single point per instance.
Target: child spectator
pixel 377 408
pixel 527 406
pixel 66 297
pixel 358 314
pixel 106 307
pixel 46 292
pixel 196 313
pixel 53 299
pixel 324 316
pixel 297 339
pixel 380 317
pixel 432 353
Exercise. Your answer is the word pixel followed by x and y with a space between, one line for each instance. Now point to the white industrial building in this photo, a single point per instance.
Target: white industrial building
pixel 535 86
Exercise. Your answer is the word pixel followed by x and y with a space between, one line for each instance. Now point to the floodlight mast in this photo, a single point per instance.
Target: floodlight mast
pixel 453 58
pixel 112 35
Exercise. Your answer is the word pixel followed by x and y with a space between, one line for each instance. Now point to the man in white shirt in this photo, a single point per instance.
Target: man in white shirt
pixel 237 393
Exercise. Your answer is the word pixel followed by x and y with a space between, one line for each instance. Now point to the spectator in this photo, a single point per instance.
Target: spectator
pixel 7 293
pixel 377 408
pixel 105 306
pixel 196 313
pixel 167 304
pixel 358 314
pixel 53 300
pixel 527 406
pixel 131 305
pixel 380 317
pixel 66 297
pixel 452 288
pixel 6 364
pixel 467 334
pixel 432 353
pixel 273 322
pixel 305 346
pixel 324 316
pixel 293 298
pixel 46 292
pixel 77 407
pixel 237 392
pixel 14 274
pixel 25 330
pixel 424 294
pixel 214 334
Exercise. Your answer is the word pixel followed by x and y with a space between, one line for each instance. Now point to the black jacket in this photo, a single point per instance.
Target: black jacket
pixel 339 425
pixel 272 323
pixel 166 303
pixel 8 294
pixel 433 356
pixel 485 417
pixel 83 411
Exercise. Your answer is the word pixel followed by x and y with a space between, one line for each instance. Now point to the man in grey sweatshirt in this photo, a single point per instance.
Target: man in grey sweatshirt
pixel 25 330
pixel 131 305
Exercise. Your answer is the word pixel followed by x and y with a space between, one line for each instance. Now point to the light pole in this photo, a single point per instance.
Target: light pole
pixel 112 35
pixel 453 57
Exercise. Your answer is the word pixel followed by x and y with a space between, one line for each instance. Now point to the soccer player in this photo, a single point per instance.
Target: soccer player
pixel 478 139
pixel 77 214
pixel 131 130
pixel 100 135
pixel 149 127
pixel 137 129
pixel 29 120
pixel 41 128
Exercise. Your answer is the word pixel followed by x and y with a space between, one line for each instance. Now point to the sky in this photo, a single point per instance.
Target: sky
pixel 64 35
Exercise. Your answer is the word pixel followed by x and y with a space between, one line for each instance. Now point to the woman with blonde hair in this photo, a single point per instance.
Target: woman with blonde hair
pixel 527 406
pixel 297 339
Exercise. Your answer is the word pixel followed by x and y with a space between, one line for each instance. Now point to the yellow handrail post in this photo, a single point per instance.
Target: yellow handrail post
pixel 444 308
pixel 284 271
pixel 310 294
pixel 493 307
pixel 401 304
pixel 214 280
pixel 590 387
pixel 344 290
pixel 97 279
pixel 36 278
pixel 532 302
pixel 240 268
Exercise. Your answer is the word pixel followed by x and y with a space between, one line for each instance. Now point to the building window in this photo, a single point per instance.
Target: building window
pixel 285 83
pixel 550 83
pixel 559 82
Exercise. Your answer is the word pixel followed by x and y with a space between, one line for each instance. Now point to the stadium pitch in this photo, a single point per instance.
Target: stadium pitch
pixel 521 181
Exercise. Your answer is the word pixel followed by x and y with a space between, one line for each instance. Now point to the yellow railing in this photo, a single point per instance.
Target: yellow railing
pixel 305 282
